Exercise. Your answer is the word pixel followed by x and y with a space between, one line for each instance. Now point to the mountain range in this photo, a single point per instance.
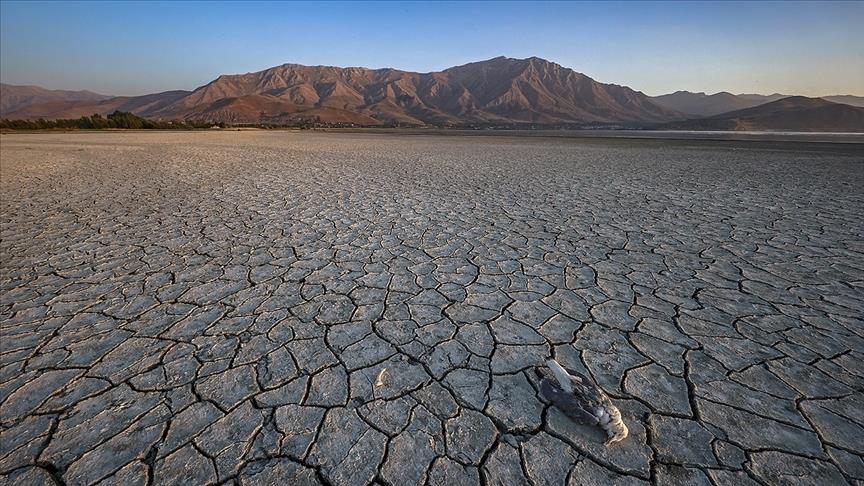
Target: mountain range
pixel 500 91
pixel 14 98
pixel 794 113
pixel 701 104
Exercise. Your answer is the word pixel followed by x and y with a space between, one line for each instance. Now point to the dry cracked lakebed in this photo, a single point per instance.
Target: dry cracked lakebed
pixel 303 308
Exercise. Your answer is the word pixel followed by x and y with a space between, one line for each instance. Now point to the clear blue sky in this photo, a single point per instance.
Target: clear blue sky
pixel 133 48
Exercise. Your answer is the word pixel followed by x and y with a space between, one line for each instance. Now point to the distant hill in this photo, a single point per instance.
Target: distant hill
pixel 140 105
pixel 497 91
pixel 701 104
pixel 13 97
pixel 794 113
pixel 846 100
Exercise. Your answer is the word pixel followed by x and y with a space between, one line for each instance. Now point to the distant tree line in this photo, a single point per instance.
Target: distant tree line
pixel 118 119
pixel 127 120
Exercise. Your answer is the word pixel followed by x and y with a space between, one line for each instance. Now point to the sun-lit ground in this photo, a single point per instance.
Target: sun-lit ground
pixel 206 307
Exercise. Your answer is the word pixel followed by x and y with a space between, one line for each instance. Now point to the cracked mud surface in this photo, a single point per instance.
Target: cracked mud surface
pixel 201 308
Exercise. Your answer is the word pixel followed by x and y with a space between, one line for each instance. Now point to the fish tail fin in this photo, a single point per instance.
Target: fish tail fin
pixel 561 375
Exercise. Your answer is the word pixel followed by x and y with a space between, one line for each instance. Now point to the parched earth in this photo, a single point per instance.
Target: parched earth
pixel 301 308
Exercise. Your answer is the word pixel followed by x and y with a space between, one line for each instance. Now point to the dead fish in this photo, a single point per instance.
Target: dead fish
pixel 581 400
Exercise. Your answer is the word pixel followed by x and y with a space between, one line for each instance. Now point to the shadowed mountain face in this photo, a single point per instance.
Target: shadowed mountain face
pixel 701 104
pixel 13 98
pixel 795 113
pixel 500 90
pixel 846 100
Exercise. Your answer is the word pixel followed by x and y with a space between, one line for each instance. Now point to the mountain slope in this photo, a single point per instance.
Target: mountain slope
pixel 846 100
pixel 703 105
pixel 78 108
pixel 13 97
pixel 497 91
pixel 795 113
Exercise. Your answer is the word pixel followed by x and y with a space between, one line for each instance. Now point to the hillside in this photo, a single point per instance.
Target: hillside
pixel 140 105
pixel 13 97
pixel 795 113
pixel 701 104
pixel 704 105
pixel 497 91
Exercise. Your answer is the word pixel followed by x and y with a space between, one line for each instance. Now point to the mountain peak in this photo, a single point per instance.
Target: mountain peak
pixel 501 90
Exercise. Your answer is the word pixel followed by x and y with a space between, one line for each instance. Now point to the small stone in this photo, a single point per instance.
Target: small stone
pixel 402 376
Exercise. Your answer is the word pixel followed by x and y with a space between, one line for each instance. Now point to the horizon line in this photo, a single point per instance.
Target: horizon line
pixel 151 92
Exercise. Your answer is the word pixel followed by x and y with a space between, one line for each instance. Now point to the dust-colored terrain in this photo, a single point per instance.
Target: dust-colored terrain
pixel 302 308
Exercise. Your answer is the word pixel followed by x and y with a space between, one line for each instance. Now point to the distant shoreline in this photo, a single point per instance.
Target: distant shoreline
pixel 739 136
pixel 640 134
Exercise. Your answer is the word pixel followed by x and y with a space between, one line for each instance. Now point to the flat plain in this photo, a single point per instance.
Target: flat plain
pixel 350 308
